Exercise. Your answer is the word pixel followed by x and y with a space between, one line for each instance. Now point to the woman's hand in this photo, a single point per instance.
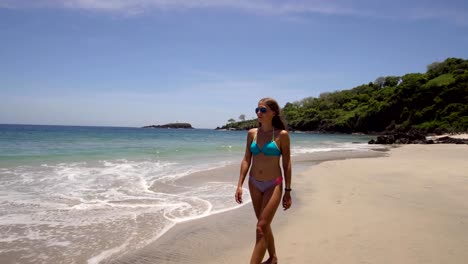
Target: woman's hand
pixel 239 195
pixel 287 200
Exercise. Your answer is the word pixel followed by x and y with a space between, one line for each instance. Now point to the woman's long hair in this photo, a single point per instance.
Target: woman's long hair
pixel 278 121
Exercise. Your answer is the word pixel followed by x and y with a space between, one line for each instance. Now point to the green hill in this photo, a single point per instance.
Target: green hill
pixel 431 102
pixel 436 101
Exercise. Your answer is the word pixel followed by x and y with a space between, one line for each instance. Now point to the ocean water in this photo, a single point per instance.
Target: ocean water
pixel 83 194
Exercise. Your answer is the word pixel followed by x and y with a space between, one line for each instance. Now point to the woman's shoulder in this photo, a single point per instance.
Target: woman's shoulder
pixel 252 131
pixel 284 132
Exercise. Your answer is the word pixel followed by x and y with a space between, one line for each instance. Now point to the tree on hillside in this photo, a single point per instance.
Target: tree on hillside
pixel 380 81
pixel 433 66
pixel 324 95
pixel 387 81
pixel 391 81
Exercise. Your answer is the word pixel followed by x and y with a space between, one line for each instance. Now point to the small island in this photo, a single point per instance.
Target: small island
pixel 172 125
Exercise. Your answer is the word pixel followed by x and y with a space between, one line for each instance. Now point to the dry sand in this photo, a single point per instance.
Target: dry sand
pixel 408 207
pixel 459 136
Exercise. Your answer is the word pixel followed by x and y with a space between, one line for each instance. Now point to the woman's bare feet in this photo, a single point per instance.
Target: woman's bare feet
pixel 271 260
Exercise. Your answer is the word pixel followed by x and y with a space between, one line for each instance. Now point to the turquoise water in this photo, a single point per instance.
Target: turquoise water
pixel 82 194
pixel 36 145
pixel 21 145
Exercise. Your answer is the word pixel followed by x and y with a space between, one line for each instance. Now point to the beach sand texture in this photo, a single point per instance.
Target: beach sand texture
pixel 408 207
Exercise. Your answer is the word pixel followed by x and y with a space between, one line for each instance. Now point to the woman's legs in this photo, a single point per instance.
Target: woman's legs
pixel 257 201
pixel 271 248
pixel 265 206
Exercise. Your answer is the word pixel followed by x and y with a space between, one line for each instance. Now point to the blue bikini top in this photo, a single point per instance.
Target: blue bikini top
pixel 269 149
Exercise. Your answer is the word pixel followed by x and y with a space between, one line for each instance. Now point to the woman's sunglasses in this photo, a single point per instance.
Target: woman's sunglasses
pixel 260 109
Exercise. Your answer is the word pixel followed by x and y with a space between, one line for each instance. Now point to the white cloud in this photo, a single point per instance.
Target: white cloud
pixel 288 8
pixel 141 6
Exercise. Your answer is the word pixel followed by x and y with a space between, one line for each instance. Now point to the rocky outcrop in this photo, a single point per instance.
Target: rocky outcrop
pixel 450 140
pixel 400 138
pixel 415 138
pixel 172 125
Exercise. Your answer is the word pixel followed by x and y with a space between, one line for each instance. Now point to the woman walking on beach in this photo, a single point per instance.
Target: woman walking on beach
pixel 265 147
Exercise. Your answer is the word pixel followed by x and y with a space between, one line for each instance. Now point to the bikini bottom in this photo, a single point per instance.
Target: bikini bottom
pixel 264 186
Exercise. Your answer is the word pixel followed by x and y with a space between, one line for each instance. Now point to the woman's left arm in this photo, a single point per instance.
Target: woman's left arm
pixel 287 168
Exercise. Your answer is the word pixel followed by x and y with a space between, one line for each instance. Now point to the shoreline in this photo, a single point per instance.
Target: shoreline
pixel 201 240
pixel 404 206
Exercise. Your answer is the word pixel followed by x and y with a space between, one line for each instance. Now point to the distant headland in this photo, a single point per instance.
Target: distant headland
pixel 172 125
pixel 418 104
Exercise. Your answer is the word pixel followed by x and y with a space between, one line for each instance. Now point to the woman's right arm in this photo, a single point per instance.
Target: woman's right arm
pixel 245 165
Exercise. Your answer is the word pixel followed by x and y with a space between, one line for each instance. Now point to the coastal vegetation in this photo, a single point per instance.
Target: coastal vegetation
pixel 240 125
pixel 431 102
pixel 171 125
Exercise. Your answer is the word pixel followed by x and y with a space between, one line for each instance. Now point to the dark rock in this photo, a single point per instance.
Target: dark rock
pixel 449 140
pixel 414 138
pixel 385 139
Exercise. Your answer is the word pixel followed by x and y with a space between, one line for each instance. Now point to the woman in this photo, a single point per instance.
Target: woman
pixel 265 146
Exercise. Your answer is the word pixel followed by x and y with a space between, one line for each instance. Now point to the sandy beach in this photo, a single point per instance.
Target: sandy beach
pixel 407 206
pixel 460 136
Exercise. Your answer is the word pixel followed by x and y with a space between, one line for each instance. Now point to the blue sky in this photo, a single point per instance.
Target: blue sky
pixel 141 62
